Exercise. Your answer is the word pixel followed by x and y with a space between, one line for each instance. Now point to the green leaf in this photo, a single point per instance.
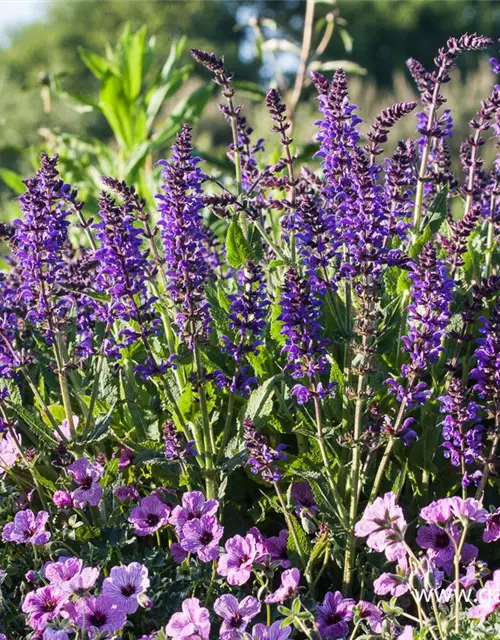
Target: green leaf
pixel 98 65
pixel 117 110
pixel 32 421
pixel 260 402
pixel 131 56
pixel 304 546
pixel 13 180
pixel 101 427
pixel 437 211
pixel 237 248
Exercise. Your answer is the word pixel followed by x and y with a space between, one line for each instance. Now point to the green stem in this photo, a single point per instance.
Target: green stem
pixel 208 437
pixel 458 555
pixel 289 523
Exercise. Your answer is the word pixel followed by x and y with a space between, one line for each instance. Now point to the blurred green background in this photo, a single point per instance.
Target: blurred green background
pixel 40 60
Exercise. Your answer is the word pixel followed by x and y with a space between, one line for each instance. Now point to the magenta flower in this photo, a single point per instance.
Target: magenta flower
pixel 334 615
pixel 303 499
pixel 61 572
pixel 289 582
pixel 437 512
pixel 125 584
pixel 177 552
pixel 395 584
pixel 369 612
pixel 82 582
pixel 236 615
pixel 192 622
pixel 151 515
pixel 9 452
pixel 43 605
pixel 193 506
pixel 100 616
pixel 383 525
pixel 86 475
pixel 470 510
pixel 27 528
pixel 201 536
pixel 236 563
pixel 54 634
pixel 439 542
pixel 274 632
pixel 277 547
pixel 491 531
pixel 127 492
pixel 64 428
pixel 488 598
pixel 62 499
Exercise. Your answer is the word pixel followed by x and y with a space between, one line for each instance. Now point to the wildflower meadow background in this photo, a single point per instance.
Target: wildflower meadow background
pixel 253 395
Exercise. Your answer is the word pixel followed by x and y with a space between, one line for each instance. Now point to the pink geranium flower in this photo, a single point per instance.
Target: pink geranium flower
pixel 236 564
pixel 27 528
pixel 193 620
pixel 125 584
pixel 236 615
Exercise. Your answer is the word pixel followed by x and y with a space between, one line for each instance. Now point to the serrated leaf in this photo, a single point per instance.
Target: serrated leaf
pixel 32 421
pixel 260 402
pixel 237 248
pixel 101 427
pixel 437 211
pixel 302 540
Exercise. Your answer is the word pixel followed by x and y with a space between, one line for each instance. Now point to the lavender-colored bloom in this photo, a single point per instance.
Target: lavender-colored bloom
pixel 462 431
pixel 236 615
pixel 127 492
pixel 236 564
pixel 83 582
pixel 9 451
pixel 487 356
pixel 54 634
pixel 61 572
pixel 177 552
pixel 174 447
pixel 86 474
pixel 31 576
pixel 439 542
pixel 27 528
pixel 43 605
pixel 368 611
pixel 187 266
pixel 247 313
pixel 437 512
pixel 488 598
pixel 276 547
pixel 300 316
pixel 395 584
pixel 262 458
pixel 38 246
pixel 303 499
pixel 125 584
pixel 62 499
pixel 334 615
pixel 491 531
pixel 151 515
pixel 201 536
pixel 122 267
pixel 193 622
pixel 126 458
pixel 429 314
pixel 468 510
pixel 194 505
pixel 66 430
pixel 100 616
pixel 289 583
pixel 384 526
pixel 274 632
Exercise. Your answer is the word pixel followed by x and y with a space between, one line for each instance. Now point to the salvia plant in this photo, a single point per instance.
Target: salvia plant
pixel 264 405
